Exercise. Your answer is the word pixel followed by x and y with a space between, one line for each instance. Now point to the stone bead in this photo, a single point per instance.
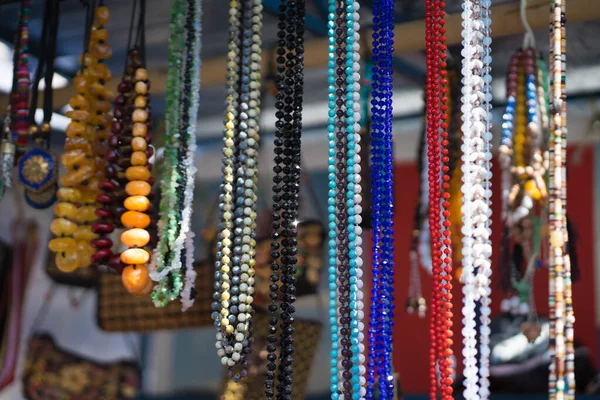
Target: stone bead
pixel 79 102
pixel 139 129
pixel 135 278
pixel 137 173
pixel 101 72
pixel 80 84
pixel 140 102
pixel 65 210
pixel 102 51
pixel 73 159
pixel 62 227
pixel 135 256
pixel 75 129
pixel 141 74
pixel 86 214
pixel 139 158
pixel 77 143
pixel 135 237
pixel 104 107
pixel 84 232
pixel 137 203
pixel 84 253
pixel 99 35
pixel 141 87
pixel 76 178
pixel 138 188
pixel 135 219
pixel 139 115
pixel 139 144
pixel 102 228
pixel 101 243
pixel 67 262
pixel 62 245
pixel 99 91
pixel 70 195
pixel 146 291
pixel 77 115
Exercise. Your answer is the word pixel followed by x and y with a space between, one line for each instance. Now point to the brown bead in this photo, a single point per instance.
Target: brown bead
pixel 107 186
pixel 101 243
pixel 141 87
pixel 116 127
pixel 101 16
pixel 140 129
pixel 80 84
pixel 75 129
pixel 104 213
pixel 101 72
pixel 140 101
pixel 102 134
pixel 120 99
pixel 139 115
pixel 113 141
pixel 124 87
pixel 101 227
pixel 99 35
pixel 77 115
pixel 102 255
pixel 139 144
pixel 102 106
pixel 104 199
pixel 79 102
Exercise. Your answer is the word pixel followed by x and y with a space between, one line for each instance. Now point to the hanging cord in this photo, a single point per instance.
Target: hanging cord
pixel 129 36
pixel 49 76
pixel 529 37
pixel 41 61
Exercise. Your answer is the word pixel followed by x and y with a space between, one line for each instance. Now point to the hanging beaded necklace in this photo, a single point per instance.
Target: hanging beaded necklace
pixel 345 252
pixel 562 357
pixel 15 123
pixel 439 224
pixel 234 268
pixel 476 188
pixel 172 261
pixel 286 188
pixel 382 300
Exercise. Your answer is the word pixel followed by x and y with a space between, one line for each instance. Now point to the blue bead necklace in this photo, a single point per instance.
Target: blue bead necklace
pixel 382 300
pixel 345 262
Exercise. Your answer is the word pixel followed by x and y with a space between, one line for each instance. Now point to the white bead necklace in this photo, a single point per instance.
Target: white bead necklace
pixel 476 189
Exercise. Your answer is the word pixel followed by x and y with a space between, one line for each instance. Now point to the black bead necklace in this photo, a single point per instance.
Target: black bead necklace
pixel 286 185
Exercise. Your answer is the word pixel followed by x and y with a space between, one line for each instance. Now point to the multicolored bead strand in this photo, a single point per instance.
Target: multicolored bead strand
pixel 382 299
pixel 286 186
pixel 172 261
pixel 562 318
pixel 234 268
pixel 19 97
pixel 439 223
pixel 345 264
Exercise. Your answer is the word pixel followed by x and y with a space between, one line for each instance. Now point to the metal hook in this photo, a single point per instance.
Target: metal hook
pixel 529 37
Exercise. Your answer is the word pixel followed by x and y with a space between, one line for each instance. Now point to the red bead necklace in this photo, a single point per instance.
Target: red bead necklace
pixel 440 328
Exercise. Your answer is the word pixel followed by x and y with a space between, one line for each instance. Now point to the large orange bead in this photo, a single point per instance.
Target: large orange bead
pixel 138 188
pixel 137 203
pixel 135 219
pixel 135 256
pixel 101 16
pixel 68 194
pixel 84 253
pixel 137 173
pixel 79 102
pixel 62 245
pixel 135 278
pixel 135 237
pixel 139 144
pixel 86 214
pixel 78 115
pixel 75 129
pixel 139 129
pixel 139 158
pixel 139 115
pixel 76 178
pixel 73 159
pixel 62 227
pixel 65 210
pixel 146 291
pixel 84 232
pixel 67 262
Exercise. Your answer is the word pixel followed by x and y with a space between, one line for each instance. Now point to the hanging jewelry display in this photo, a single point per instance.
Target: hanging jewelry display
pixel 345 251
pixel 173 256
pixel 83 158
pixel 476 188
pixel 439 224
pixel 382 172
pixel 524 163
pixel 562 318
pixel 37 167
pixel 17 115
pixel 286 188
pixel 236 240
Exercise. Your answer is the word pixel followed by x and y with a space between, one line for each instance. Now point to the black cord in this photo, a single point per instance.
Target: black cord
pixel 48 109
pixel 131 22
pixel 41 60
